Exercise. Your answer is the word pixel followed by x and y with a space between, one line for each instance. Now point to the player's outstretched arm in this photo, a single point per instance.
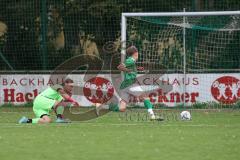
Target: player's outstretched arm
pixel 68 98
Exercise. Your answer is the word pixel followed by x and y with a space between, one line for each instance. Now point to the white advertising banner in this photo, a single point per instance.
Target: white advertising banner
pixel 192 88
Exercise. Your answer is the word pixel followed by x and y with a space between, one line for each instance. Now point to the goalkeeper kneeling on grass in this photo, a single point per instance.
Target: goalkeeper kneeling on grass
pixel 128 84
pixel 53 98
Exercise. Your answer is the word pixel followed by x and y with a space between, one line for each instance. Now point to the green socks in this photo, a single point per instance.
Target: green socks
pixel 59 110
pixel 148 104
pixel 35 120
pixel 113 107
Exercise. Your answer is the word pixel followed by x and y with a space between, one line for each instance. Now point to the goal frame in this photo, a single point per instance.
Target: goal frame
pixel 183 14
pixel 163 14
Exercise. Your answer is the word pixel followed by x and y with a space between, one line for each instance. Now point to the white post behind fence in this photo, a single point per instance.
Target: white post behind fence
pixel 184 55
pixel 123 40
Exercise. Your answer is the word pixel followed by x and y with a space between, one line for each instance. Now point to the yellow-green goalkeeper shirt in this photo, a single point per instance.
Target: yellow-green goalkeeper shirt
pixel 129 77
pixel 52 93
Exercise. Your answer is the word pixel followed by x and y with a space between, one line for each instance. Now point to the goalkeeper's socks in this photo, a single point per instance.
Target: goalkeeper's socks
pixel 29 121
pixel 34 120
pixel 59 110
pixel 60 116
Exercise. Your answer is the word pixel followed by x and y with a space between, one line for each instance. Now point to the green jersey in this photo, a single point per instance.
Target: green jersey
pixel 129 77
pixel 52 93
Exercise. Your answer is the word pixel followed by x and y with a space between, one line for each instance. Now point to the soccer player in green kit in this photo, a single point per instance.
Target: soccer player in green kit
pixel 53 98
pixel 128 84
pixel 130 77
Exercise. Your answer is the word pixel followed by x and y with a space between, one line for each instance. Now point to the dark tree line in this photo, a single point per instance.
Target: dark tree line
pixel 72 22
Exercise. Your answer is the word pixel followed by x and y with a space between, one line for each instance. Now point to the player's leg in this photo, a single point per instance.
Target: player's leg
pixel 116 107
pixel 113 104
pixel 59 110
pixel 41 108
pixel 138 91
pixel 42 116
pixel 122 106
pixel 44 119
pixel 149 106
pixel 124 96
pixel 142 92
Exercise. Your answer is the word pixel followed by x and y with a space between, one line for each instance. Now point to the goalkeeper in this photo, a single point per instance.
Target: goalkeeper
pixel 53 98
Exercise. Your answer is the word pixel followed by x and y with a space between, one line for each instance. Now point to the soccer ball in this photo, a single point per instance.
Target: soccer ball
pixel 185 115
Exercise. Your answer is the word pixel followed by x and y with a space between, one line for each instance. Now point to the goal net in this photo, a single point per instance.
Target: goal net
pixel 197 52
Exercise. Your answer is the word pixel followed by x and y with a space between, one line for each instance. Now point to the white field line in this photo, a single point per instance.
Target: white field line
pixel 159 124
pixel 174 110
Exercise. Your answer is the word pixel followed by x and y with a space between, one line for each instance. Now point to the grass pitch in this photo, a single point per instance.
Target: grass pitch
pixel 208 136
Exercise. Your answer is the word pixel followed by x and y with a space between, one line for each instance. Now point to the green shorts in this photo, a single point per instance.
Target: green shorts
pixel 42 105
